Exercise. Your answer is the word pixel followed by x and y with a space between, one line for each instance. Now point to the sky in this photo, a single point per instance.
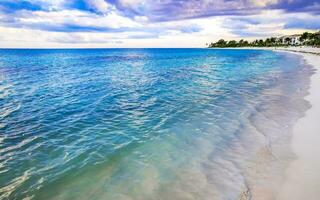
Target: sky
pixel 149 23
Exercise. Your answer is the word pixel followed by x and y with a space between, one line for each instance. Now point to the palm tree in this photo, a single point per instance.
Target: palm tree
pixel 273 40
pixel 232 43
pixel 268 42
pixel 288 40
pixel 260 43
pixel 304 37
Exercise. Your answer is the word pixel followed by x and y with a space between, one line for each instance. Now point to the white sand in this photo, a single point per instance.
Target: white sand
pixel 302 178
pixel 303 49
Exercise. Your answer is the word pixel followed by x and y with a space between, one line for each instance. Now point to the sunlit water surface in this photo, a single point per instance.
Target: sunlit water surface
pixel 140 124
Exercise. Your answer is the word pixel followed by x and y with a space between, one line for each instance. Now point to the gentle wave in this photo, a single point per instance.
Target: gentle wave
pixel 146 123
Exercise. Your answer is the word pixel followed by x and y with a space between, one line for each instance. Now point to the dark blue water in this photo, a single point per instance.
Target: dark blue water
pixel 140 123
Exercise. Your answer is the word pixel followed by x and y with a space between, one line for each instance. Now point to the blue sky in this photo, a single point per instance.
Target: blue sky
pixel 150 23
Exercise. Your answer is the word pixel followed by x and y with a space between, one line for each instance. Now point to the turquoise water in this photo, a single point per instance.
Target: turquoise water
pixel 142 123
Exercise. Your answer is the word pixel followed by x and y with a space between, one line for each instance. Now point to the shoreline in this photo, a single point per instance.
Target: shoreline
pixel 302 177
pixel 294 49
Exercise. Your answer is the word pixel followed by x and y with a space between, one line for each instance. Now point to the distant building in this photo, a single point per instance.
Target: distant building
pixel 290 39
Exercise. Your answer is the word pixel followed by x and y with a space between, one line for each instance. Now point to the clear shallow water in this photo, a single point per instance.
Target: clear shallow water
pixel 146 123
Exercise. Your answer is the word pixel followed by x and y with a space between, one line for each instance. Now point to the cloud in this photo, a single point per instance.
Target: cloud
pixel 191 29
pixel 165 10
pixel 290 6
pixel 263 3
pixel 98 5
pixel 80 38
pixel 101 21
pixel 168 10
pixel 68 20
pixel 143 36
pixel 271 23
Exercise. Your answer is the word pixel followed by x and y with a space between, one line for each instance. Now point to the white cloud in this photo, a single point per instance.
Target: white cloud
pixel 269 23
pixel 76 17
pixel 163 34
pixel 136 32
pixel 99 5
pixel 132 2
pixel 142 19
pixel 263 3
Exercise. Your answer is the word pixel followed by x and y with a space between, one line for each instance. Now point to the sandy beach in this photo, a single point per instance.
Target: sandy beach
pixel 302 177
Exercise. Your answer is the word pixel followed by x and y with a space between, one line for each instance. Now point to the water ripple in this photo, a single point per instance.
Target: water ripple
pixel 140 123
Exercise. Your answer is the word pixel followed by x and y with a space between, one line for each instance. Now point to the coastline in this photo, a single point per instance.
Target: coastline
pixel 293 49
pixel 302 177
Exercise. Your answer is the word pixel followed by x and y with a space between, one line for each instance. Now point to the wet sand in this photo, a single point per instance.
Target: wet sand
pixel 302 177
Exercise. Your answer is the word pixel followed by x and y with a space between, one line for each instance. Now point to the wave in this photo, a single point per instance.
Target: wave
pixel 162 126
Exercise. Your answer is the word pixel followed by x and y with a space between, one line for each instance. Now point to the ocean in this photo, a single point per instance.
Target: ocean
pixel 135 124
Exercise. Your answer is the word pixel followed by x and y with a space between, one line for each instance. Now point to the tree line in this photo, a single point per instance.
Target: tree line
pixel 310 39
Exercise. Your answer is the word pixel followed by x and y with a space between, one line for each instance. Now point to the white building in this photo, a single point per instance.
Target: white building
pixel 293 39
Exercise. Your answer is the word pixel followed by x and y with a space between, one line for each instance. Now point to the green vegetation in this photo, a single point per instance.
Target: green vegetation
pixel 269 42
pixel 310 39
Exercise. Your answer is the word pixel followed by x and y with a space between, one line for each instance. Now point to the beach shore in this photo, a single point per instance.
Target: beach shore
pixel 302 177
